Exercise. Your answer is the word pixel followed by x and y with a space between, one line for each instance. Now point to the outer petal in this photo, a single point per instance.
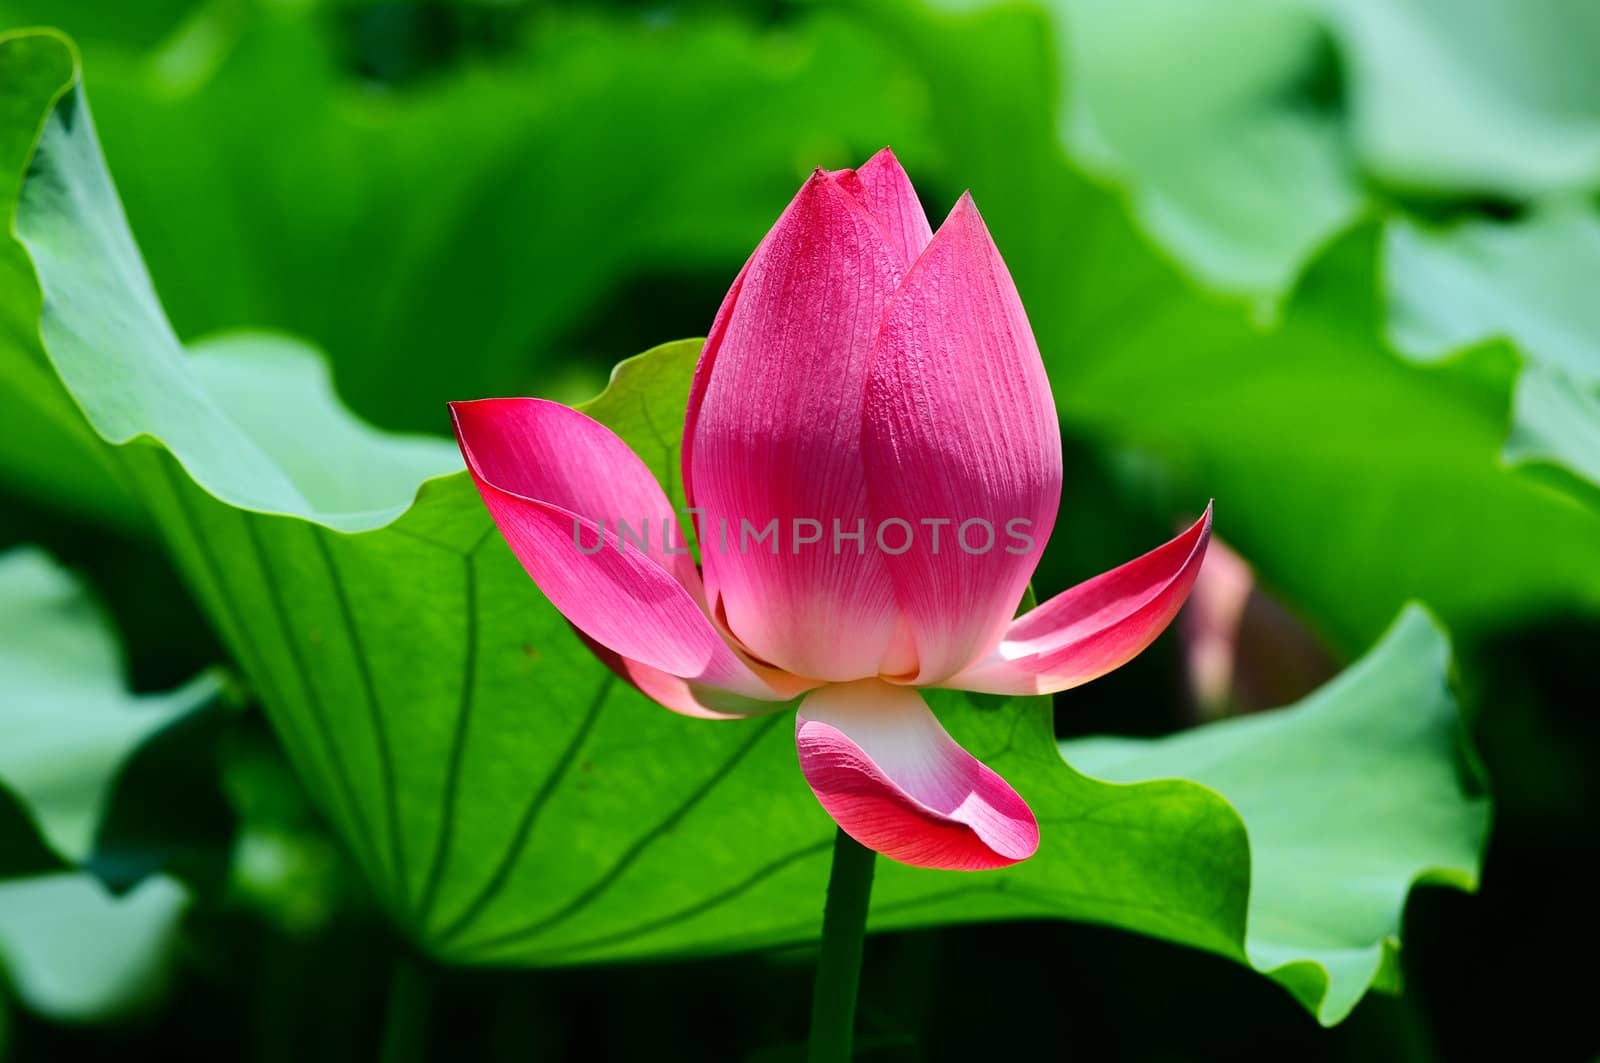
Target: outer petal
pixel 896 782
pixel 702 378
pixel 690 698
pixel 776 436
pixel 549 475
pixel 1097 626
pixel 881 185
pixel 960 427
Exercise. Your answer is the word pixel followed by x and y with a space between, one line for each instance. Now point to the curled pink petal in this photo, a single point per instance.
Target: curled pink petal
pixel 881 185
pixel 961 445
pixel 690 698
pixel 550 476
pixel 775 444
pixel 1097 626
pixel 895 781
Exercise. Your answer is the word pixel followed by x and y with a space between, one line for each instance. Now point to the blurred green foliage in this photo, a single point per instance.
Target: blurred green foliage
pixel 1324 260
pixel 69 733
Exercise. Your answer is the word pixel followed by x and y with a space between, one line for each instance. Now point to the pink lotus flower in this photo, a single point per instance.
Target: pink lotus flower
pixel 871 396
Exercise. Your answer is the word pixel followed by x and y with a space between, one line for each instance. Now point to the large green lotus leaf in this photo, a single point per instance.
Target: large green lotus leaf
pixel 69 947
pixel 1366 749
pixel 1238 170
pixel 1528 281
pixel 67 722
pixel 1223 121
pixel 1245 150
pixel 461 230
pixel 513 803
pixel 46 449
pixel 1472 96
pixel 1352 479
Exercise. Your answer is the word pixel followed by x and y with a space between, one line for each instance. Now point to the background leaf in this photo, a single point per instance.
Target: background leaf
pixel 1352 480
pixel 1523 281
pixel 68 946
pixel 46 449
pixel 1303 109
pixel 68 724
pixel 1311 112
pixel 1389 718
pixel 453 230
pixel 71 950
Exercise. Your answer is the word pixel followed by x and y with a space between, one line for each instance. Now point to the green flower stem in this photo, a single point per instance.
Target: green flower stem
pixel 844 923
pixel 405 1030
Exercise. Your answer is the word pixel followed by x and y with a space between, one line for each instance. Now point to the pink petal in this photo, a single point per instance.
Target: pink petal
pixel 896 782
pixel 1097 626
pixel 697 699
pixel 960 427
pixel 775 435
pixel 881 186
pixel 702 377
pixel 548 475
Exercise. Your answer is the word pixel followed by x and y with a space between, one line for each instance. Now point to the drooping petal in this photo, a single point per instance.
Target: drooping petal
pixel 691 698
pixel 775 444
pixel 1097 626
pixel 896 782
pixel 962 445
pixel 881 185
pixel 552 479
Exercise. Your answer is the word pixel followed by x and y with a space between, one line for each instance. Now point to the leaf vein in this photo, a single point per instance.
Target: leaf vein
pixel 530 817
pixel 634 851
pixel 380 732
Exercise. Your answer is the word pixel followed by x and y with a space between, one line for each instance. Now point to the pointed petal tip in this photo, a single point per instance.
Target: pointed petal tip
pixel 965 223
pixel 1097 626
pixel 960 419
pixel 491 421
pixel 966 210
pixel 822 184
pixel 1201 529
pixel 884 156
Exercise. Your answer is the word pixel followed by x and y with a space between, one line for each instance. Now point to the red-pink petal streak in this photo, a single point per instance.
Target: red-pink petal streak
pixel 776 437
pixel 1097 626
pixel 542 467
pixel 702 377
pixel 960 428
pixel 896 782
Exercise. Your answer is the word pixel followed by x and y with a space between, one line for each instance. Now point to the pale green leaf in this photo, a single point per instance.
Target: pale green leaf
pixel 67 722
pixel 1530 282
pixel 73 951
pixel 1347 803
pixel 68 946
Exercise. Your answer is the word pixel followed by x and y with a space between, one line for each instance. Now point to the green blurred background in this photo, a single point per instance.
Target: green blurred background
pixel 1331 262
